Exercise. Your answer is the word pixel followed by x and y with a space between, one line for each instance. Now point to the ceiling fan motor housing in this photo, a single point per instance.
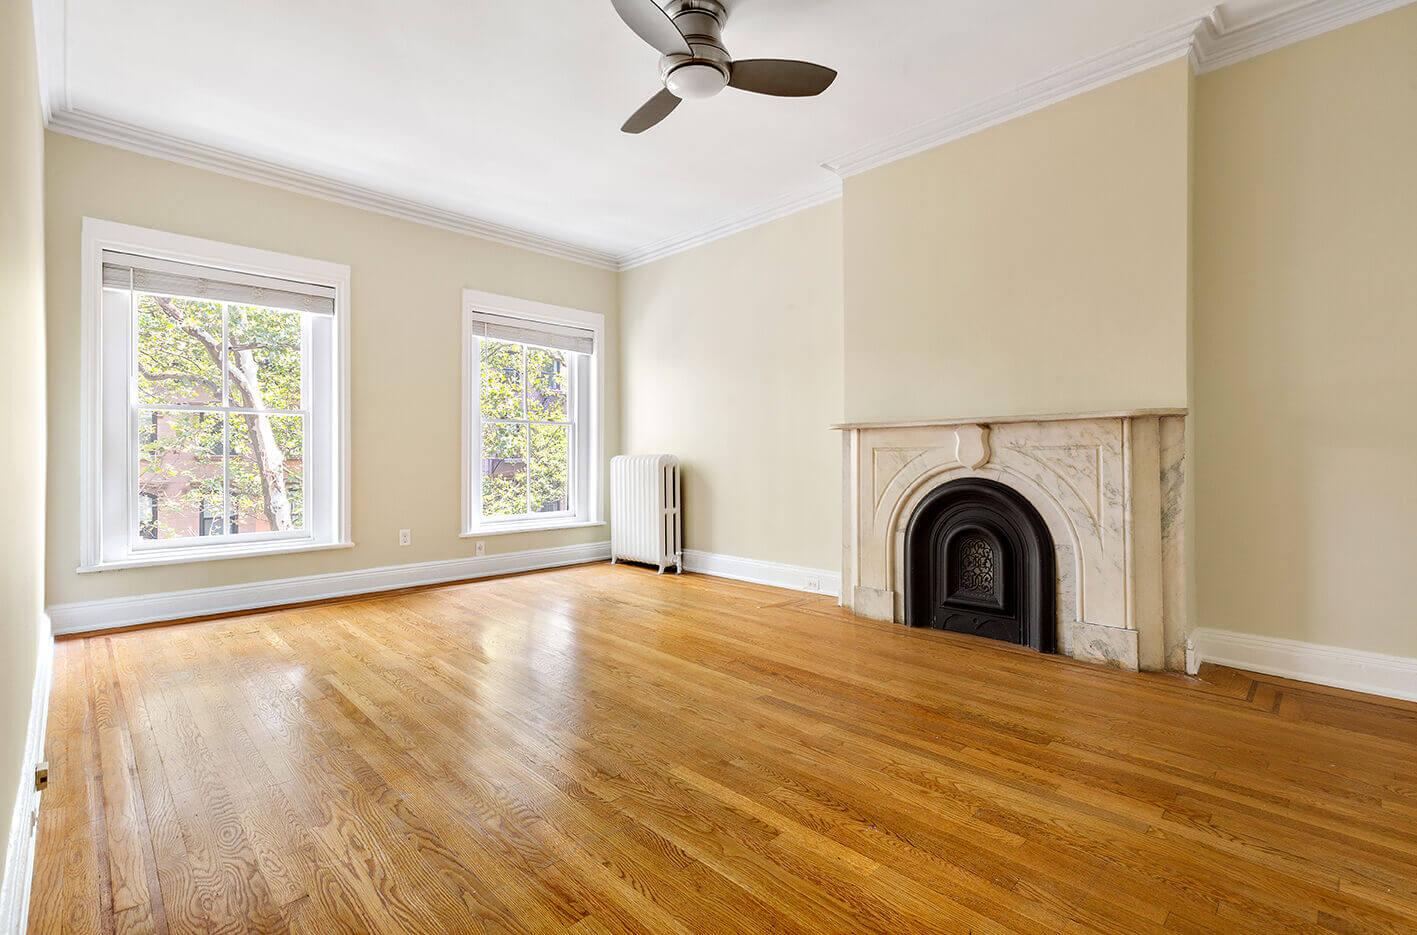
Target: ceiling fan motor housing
pixel 706 71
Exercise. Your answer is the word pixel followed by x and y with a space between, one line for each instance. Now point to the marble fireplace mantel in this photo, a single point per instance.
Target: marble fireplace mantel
pixel 1109 485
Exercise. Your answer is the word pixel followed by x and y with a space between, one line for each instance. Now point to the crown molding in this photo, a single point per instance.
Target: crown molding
pixel 162 145
pixel 733 224
pixel 52 51
pixel 122 135
pixel 1127 59
pixel 50 18
pixel 1210 41
pixel 1219 43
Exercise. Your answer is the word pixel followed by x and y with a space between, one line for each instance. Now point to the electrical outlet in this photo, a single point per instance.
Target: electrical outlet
pixel 405 537
pixel 814 584
pixel 481 548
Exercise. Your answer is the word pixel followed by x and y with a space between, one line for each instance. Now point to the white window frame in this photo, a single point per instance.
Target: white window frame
pixel 588 435
pixel 108 538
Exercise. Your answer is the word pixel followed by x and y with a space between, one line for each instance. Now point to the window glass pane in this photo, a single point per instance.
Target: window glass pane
pixel 178 343
pixel 147 516
pixel 546 380
pixel 179 475
pixel 263 347
pixel 502 396
pixel 550 468
pixel 503 470
pixel 266 473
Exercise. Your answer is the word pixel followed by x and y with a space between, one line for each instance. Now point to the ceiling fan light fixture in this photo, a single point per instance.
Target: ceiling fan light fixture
pixel 694 64
pixel 695 80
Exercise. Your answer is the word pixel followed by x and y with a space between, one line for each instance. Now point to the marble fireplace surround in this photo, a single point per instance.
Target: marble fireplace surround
pixel 1110 486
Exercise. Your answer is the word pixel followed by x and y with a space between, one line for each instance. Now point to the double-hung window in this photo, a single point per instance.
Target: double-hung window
pixel 214 405
pixel 531 400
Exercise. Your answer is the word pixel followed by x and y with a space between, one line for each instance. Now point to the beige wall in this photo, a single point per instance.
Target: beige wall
pixel 732 360
pixel 1306 340
pixel 405 366
pixel 1038 266
pixel 21 389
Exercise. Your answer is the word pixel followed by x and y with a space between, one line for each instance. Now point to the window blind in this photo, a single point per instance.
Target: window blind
pixel 189 281
pixel 538 334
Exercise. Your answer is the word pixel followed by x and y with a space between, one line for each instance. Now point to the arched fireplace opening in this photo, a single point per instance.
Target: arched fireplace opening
pixel 979 560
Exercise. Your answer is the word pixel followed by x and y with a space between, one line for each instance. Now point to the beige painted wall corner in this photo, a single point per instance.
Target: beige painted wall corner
pixel 731 356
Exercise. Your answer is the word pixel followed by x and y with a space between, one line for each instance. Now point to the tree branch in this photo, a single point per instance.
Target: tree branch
pixel 188 378
pixel 189 327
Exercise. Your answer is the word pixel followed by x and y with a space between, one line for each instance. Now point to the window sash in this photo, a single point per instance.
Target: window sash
pixel 232 410
pixel 575 364
pixel 139 511
pixel 158 546
pixel 525 422
pixel 136 543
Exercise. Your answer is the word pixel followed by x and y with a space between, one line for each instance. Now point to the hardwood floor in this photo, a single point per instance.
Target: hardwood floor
pixel 600 749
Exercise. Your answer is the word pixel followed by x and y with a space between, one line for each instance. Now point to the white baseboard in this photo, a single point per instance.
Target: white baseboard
pixel 19 850
pixel 111 613
pixel 1354 669
pixel 86 616
pixel 794 577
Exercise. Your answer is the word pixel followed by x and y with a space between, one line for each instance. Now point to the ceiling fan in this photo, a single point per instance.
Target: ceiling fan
pixel 689 36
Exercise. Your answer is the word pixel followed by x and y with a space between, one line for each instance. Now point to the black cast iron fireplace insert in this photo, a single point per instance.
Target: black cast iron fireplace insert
pixel 979 560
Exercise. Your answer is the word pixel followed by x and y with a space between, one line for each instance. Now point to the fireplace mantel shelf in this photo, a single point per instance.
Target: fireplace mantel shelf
pixel 984 420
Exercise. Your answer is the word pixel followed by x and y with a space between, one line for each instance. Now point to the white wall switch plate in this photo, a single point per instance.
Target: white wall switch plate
pixel 481 548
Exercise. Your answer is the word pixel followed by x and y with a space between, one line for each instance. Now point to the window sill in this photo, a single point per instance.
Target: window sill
pixel 212 554
pixel 506 529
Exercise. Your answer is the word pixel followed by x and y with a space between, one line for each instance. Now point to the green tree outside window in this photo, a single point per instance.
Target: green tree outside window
pixel 197 360
pixel 526 429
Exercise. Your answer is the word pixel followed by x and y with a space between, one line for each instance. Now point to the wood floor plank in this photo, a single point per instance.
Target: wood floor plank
pixel 603 750
pixel 125 825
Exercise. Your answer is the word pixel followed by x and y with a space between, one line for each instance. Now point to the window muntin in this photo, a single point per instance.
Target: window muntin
pixel 215 400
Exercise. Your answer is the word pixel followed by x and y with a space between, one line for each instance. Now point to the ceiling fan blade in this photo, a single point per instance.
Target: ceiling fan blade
pixel 781 77
pixel 653 111
pixel 653 25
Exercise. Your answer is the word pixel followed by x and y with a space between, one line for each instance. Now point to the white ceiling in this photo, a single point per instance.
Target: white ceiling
pixel 508 111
